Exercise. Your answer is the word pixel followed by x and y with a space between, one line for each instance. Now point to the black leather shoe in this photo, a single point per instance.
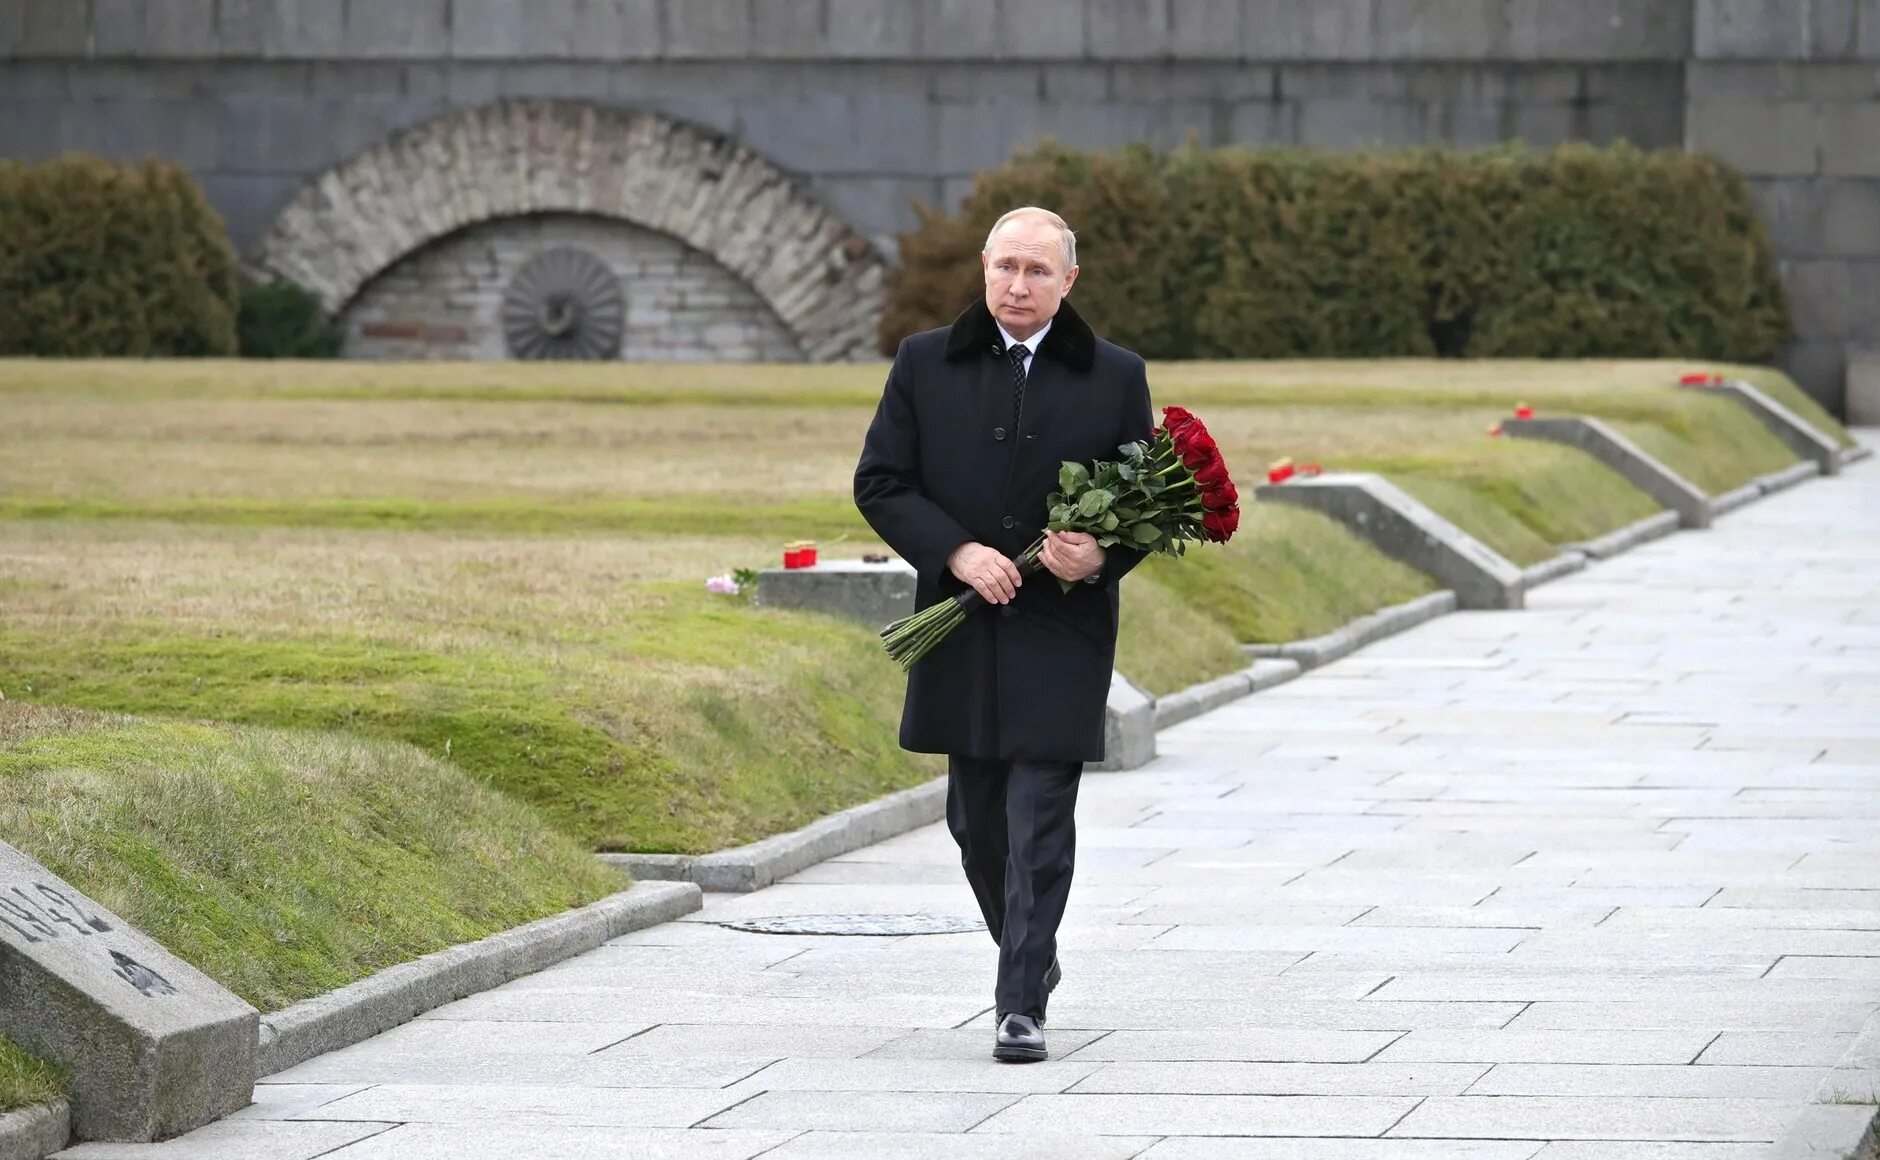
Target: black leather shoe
pixel 1020 1040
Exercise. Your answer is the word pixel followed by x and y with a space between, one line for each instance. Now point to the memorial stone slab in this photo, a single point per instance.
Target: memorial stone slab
pixel 1664 485
pixel 1795 432
pixel 1863 390
pixel 1128 727
pixel 1404 528
pixel 875 595
pixel 154 1046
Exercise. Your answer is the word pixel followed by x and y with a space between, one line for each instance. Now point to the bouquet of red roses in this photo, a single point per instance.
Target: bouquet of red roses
pixel 1161 494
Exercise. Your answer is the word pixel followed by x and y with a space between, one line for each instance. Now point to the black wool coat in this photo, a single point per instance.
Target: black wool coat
pixel 946 463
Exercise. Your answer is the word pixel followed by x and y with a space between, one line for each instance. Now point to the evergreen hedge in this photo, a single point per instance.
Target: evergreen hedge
pixel 99 258
pixel 1575 252
pixel 281 319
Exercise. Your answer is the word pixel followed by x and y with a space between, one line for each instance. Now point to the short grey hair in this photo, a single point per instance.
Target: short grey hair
pixel 1066 238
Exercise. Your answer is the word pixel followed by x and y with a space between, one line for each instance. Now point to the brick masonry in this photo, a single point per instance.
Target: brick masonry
pixel 445 301
pixel 872 104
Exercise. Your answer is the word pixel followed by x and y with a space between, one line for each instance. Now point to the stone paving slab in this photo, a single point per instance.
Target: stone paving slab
pixel 1593 881
pixel 1598 1118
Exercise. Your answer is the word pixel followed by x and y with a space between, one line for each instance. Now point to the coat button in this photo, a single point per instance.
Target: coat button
pixel 998 433
pixel 1008 522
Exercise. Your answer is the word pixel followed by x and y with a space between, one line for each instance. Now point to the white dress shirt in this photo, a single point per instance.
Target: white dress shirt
pixel 1030 344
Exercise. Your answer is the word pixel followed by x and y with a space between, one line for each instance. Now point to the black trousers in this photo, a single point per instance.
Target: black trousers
pixel 1014 821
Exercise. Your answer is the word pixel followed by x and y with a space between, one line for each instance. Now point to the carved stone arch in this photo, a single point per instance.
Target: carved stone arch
pixel 822 278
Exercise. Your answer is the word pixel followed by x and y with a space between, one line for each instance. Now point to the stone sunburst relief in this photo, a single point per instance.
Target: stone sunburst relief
pixel 563 304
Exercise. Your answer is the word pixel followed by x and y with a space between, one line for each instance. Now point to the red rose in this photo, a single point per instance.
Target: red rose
pixel 1175 418
pixel 1219 527
pixel 1196 447
pixel 1211 474
pixel 1220 497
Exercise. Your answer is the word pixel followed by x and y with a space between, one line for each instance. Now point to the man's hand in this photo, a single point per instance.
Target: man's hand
pixel 1072 556
pixel 989 572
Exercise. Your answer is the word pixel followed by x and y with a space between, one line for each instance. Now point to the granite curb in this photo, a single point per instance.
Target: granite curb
pixel 1654 527
pixel 1843 1122
pixel 1730 501
pixel 1198 699
pixel 399 994
pixel 753 867
pixel 1565 564
pixel 36 1132
pixel 1315 651
pixel 1786 478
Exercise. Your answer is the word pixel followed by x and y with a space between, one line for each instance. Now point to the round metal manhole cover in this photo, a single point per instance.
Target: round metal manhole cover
pixel 859 924
pixel 564 304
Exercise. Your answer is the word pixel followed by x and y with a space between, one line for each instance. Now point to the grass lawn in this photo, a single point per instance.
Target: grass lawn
pixel 281 863
pixel 25 1081
pixel 501 563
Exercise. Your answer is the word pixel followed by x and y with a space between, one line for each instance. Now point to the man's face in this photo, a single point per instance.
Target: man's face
pixel 1025 275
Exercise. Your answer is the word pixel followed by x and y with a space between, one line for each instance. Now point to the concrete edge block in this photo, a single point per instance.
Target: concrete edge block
pixel 1315 651
pixel 1786 478
pixel 1855 454
pixel 1565 564
pixel 399 994
pixel 1653 527
pixel 759 864
pixel 1729 501
pixel 1199 698
pixel 1270 674
pixel 37 1132
pixel 1128 728
pixel 1828 1132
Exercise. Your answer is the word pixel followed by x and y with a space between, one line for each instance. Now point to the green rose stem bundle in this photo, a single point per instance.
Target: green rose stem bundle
pixel 1161 494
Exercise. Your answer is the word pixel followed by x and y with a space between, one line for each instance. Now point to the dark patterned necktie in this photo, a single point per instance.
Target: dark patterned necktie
pixel 1017 352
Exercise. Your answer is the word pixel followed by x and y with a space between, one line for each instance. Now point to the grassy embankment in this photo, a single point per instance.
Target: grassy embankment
pixel 501 564
pixel 283 864
pixel 25 1081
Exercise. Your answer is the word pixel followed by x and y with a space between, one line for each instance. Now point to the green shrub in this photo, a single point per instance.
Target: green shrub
pixel 104 259
pixel 280 319
pixel 1574 252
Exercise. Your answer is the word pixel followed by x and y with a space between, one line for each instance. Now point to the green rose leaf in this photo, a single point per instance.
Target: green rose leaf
pixel 1095 502
pixel 1073 477
pixel 1108 522
pixel 1145 533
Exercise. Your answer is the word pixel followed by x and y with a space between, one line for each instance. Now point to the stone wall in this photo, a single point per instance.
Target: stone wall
pixel 872 103
pixel 1788 91
pixel 445 301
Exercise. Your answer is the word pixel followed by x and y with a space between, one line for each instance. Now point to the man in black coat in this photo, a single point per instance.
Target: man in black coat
pixel 964 449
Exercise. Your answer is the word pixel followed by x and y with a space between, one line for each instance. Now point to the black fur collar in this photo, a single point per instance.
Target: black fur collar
pixel 1071 341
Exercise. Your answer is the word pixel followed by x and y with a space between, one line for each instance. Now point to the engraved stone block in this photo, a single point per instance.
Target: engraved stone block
pixel 1664 485
pixel 1401 527
pixel 154 1046
pixel 1794 431
pixel 1128 727
pixel 870 594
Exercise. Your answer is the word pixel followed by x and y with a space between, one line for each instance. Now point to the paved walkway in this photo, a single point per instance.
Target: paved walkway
pixel 1547 884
